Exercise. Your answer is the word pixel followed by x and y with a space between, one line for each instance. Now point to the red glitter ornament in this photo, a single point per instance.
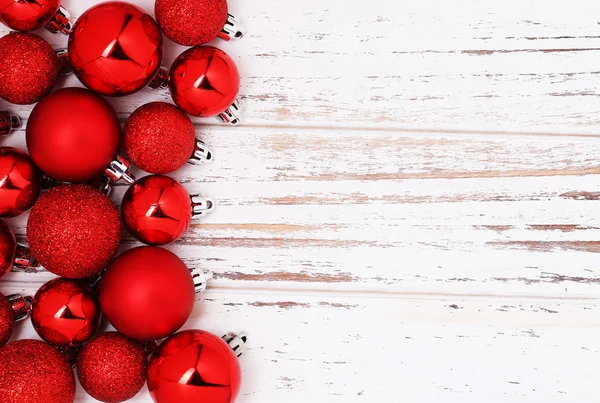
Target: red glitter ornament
pixel 147 293
pixel 112 368
pixel 65 312
pixel 115 48
pixel 157 209
pixel 7 320
pixel 28 68
pixel 204 81
pixel 32 371
pixel 74 147
pixel 74 231
pixel 20 182
pixel 196 22
pixel 27 15
pixel 8 248
pixel 159 138
pixel 194 366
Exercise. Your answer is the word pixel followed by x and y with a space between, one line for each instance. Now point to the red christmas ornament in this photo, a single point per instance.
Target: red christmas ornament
pixel 157 209
pixel 160 138
pixel 13 308
pixel 196 366
pixel 196 22
pixel 147 293
pixel 32 371
pixel 112 368
pixel 65 312
pixel 28 68
pixel 20 182
pixel 115 48
pixel 74 231
pixel 11 253
pixel 8 122
pixel 27 15
pixel 88 137
pixel 204 81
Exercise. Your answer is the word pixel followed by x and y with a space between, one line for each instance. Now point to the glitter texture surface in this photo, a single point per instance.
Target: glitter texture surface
pixel 191 22
pixel 28 68
pixel 7 320
pixel 159 137
pixel 8 248
pixel 74 231
pixel 112 368
pixel 32 371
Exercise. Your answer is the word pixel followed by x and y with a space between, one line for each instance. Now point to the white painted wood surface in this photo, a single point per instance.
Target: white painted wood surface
pixel 410 211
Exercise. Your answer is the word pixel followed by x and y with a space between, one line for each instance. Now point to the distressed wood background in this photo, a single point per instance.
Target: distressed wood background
pixel 410 211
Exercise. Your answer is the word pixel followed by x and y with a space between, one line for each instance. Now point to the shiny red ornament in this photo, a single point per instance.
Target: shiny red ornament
pixel 194 366
pixel 32 371
pixel 74 231
pixel 204 81
pixel 112 368
pixel 8 248
pixel 28 15
pixel 147 293
pixel 65 312
pixel 20 182
pixel 28 68
pixel 196 22
pixel 157 209
pixel 115 48
pixel 159 138
pixel 73 135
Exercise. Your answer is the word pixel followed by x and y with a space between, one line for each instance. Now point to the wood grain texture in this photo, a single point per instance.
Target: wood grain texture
pixel 410 211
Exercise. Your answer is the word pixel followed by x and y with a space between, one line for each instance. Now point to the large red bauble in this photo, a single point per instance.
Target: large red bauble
pixel 204 81
pixel 159 138
pixel 27 15
pixel 191 22
pixel 74 231
pixel 7 320
pixel 115 48
pixel 20 182
pixel 194 366
pixel 8 248
pixel 147 293
pixel 32 371
pixel 28 68
pixel 156 210
pixel 65 312
pixel 112 368
pixel 73 134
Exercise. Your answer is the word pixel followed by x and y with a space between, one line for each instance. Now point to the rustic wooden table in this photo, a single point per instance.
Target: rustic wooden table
pixel 409 212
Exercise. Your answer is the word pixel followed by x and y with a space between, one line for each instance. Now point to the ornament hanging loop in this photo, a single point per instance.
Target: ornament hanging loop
pixel 201 206
pixel 60 22
pixel 24 259
pixel 8 122
pixel 119 169
pixel 64 66
pixel 237 342
pixel 21 305
pixel 232 29
pixel 231 115
pixel 201 155
pixel 201 278
pixel 161 79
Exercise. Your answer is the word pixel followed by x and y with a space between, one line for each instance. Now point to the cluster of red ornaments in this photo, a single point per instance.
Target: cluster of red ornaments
pixel 74 229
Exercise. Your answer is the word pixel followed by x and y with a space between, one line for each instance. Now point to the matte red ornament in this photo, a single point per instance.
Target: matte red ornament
pixel 115 48
pixel 194 366
pixel 28 68
pixel 147 293
pixel 159 137
pixel 27 15
pixel 196 22
pixel 204 81
pixel 32 371
pixel 112 368
pixel 65 312
pixel 73 135
pixel 20 182
pixel 74 231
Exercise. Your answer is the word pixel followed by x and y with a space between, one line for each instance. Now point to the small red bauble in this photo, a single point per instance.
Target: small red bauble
pixel 8 248
pixel 32 371
pixel 27 15
pixel 28 68
pixel 7 320
pixel 112 368
pixel 194 366
pixel 74 231
pixel 73 135
pixel 147 293
pixel 20 182
pixel 204 81
pixel 115 48
pixel 159 138
pixel 65 312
